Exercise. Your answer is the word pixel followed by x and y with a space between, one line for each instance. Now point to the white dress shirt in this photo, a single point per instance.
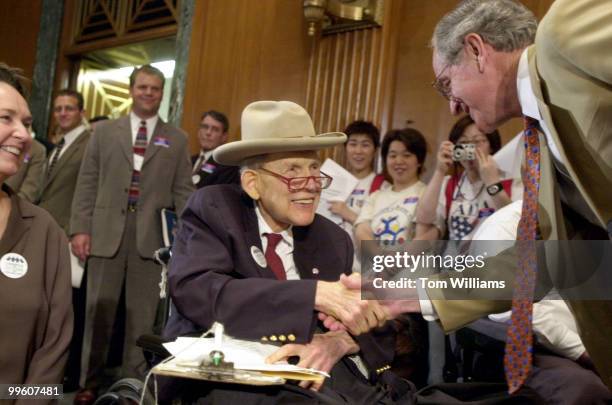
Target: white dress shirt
pixel 284 249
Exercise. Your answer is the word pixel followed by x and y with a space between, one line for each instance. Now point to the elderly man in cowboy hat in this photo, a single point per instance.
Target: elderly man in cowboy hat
pixel 257 259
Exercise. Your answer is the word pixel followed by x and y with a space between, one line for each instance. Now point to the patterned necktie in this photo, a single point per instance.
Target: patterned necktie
pixel 274 261
pixel 140 147
pixel 55 158
pixel 518 356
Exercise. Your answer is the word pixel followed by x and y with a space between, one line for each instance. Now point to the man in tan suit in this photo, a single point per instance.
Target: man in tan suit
pixel 486 65
pixel 59 182
pixel 28 180
pixel 133 167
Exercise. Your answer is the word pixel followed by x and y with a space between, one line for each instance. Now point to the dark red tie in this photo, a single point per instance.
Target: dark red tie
pixel 274 262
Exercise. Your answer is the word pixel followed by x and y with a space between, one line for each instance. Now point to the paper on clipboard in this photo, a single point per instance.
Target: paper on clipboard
pixel 245 355
pixel 77 268
pixel 341 188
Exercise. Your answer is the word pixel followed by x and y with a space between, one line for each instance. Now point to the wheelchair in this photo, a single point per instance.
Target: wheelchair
pixel 128 391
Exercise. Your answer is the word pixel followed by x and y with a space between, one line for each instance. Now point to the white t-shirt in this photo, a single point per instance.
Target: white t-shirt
pixel 391 214
pixel 470 205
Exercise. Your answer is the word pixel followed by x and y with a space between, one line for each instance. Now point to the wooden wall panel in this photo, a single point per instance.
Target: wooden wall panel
pixel 243 51
pixel 19 26
pixel 351 77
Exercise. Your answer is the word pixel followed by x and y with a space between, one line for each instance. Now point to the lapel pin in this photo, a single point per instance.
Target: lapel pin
pixel 315 271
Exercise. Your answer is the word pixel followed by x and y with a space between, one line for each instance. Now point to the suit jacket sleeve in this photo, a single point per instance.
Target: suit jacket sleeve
pixel 377 347
pixel 86 190
pixel 211 279
pixel 49 359
pixel 30 188
pixel 580 32
pixel 182 187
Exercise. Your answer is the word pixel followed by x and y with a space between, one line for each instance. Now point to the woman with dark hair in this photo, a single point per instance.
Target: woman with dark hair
pixel 36 315
pixel 388 214
pixel 458 202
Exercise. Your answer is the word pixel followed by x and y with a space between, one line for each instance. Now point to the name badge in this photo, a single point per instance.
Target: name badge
pixel 13 265
pixel 259 257
pixel 161 141
pixel 208 168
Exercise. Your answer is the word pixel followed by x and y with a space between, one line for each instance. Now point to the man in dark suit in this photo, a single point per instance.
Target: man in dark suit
pixel 213 132
pixel 219 271
pixel 133 167
pixel 58 186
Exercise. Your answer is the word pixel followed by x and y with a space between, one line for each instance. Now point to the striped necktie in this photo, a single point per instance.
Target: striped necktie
pixel 519 344
pixel 140 147
pixel 55 158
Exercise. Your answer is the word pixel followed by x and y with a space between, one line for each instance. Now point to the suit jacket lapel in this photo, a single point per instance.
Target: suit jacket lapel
pixel 152 149
pixel 305 253
pixel 67 156
pixel 580 160
pixel 125 138
pixel 251 235
pixel 17 223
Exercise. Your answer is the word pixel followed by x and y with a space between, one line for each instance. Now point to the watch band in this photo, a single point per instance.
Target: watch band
pixel 495 189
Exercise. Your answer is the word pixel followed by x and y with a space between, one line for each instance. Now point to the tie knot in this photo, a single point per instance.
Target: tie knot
pixel 61 142
pixel 143 123
pixel 273 239
pixel 530 123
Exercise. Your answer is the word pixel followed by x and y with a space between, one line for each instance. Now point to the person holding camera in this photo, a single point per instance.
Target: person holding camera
pixel 453 205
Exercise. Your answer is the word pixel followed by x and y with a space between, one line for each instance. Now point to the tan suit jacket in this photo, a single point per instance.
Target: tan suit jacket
pixel 570 69
pixel 101 197
pixel 36 319
pixel 58 189
pixel 28 180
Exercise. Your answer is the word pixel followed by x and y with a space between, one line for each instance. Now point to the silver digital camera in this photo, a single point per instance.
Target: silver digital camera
pixel 464 151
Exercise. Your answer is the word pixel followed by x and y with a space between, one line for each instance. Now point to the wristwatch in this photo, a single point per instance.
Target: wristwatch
pixel 495 189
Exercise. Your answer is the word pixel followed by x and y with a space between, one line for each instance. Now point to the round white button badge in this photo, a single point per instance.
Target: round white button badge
pixel 258 256
pixel 13 265
pixel 195 179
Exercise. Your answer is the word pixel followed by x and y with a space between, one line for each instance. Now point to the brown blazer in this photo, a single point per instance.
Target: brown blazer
pixel 28 180
pixel 570 75
pixel 58 190
pixel 36 317
pixel 101 197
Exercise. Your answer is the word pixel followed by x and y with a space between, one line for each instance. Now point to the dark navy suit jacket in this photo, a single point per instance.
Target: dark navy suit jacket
pixel 214 277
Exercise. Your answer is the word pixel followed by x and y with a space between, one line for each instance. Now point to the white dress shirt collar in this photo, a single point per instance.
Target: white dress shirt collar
pixel 69 138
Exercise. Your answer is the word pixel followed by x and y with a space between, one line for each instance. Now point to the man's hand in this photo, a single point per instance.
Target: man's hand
pixel 359 316
pixel 81 245
pixel 392 307
pixel 322 353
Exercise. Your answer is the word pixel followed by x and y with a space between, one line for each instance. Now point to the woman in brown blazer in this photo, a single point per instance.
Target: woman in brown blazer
pixel 35 306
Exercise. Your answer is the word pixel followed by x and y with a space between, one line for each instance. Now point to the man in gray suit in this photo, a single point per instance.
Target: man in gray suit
pixel 133 167
pixel 58 184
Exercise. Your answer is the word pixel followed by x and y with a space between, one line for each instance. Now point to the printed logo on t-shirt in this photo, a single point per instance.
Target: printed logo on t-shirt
pixel 464 218
pixel 391 224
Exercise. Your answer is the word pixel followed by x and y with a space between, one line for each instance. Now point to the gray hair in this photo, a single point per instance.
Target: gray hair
pixel 506 25
pixel 253 163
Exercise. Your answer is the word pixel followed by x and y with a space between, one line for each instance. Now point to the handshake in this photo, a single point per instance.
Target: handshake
pixel 341 306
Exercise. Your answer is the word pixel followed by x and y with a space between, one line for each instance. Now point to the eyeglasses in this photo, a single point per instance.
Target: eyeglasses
pixel 211 127
pixel 442 85
pixel 300 183
pixel 477 141
pixel 67 108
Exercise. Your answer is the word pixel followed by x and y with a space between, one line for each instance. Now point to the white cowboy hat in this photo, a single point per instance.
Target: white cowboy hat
pixel 272 127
